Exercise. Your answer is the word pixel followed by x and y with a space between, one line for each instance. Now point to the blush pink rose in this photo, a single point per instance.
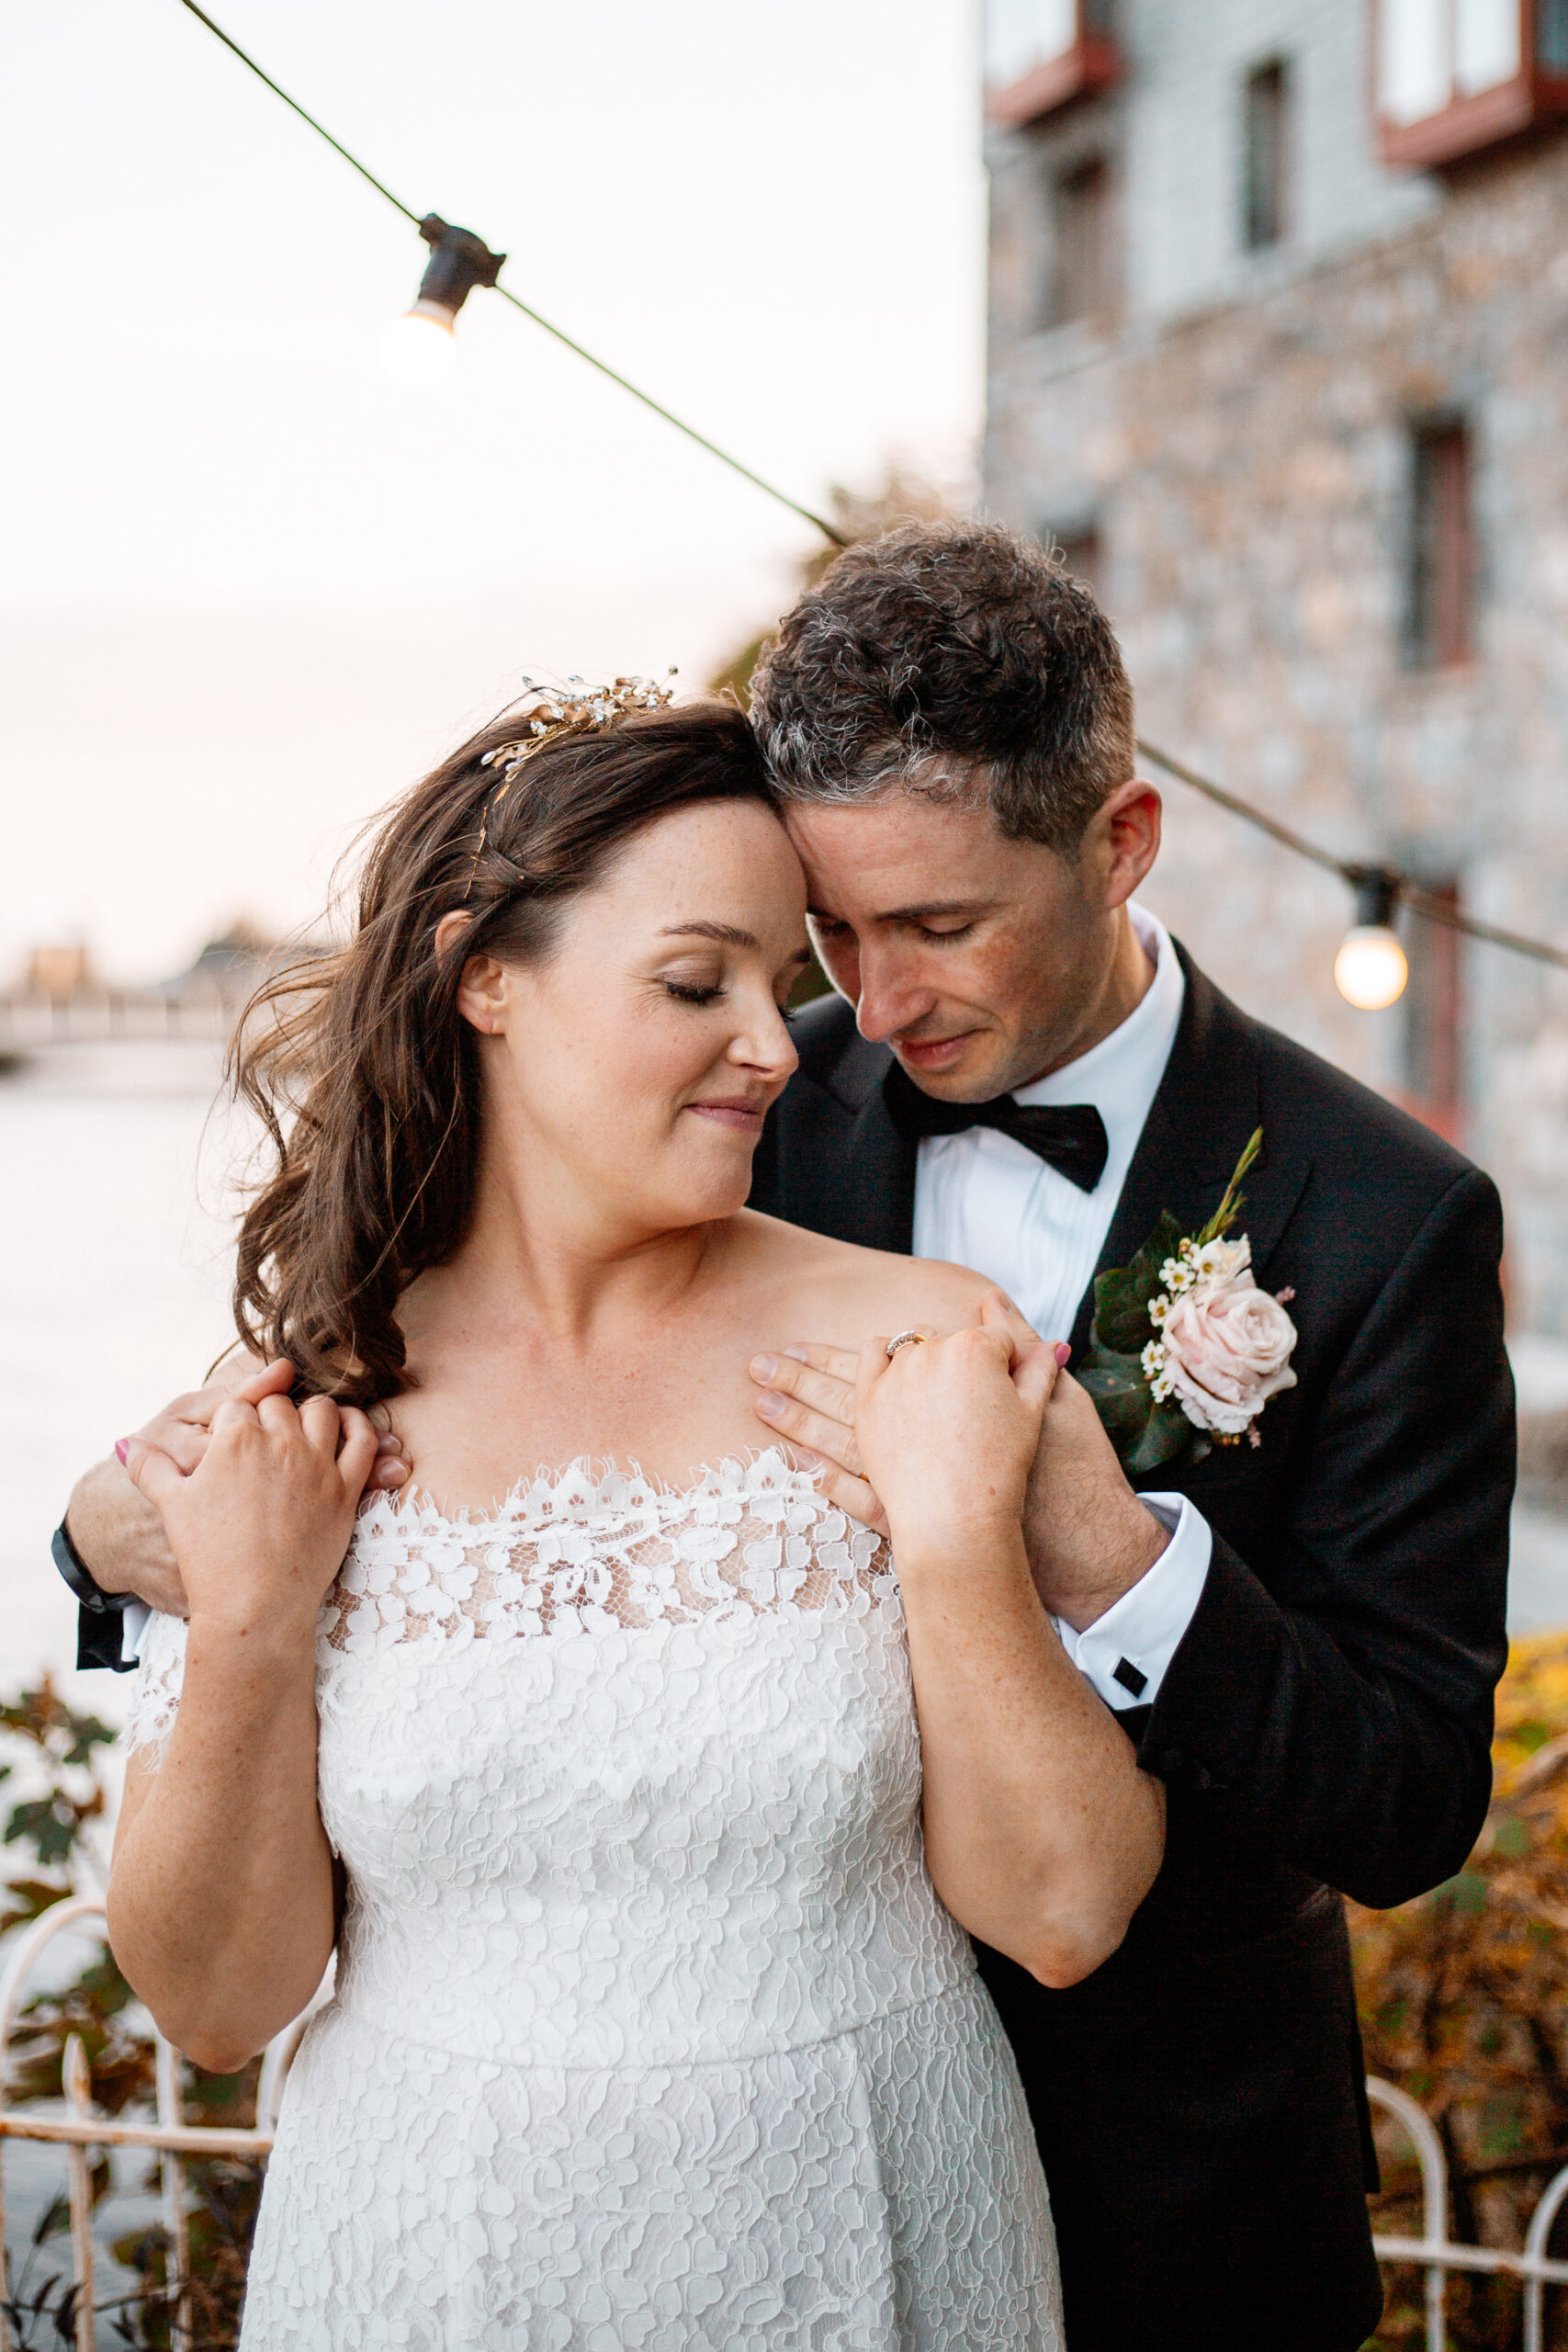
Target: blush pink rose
pixel 1227 1350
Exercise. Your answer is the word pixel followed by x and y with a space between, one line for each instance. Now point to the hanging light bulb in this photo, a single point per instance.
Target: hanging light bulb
pixel 1370 970
pixel 418 349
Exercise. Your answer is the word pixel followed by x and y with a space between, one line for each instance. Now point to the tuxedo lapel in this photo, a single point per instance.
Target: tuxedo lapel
pixel 843 1168
pixel 887 1161
pixel 1208 1104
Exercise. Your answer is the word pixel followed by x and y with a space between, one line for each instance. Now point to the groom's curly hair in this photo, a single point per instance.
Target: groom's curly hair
pixel 949 657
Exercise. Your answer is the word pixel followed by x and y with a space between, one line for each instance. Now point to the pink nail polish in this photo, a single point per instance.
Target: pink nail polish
pixel 1063 1354
pixel 121 1448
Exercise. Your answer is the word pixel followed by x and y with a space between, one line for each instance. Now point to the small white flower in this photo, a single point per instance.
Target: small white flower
pixel 1223 1262
pixel 1159 1308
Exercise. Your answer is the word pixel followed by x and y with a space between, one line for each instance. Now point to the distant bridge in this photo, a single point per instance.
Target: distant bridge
pixel 29 1019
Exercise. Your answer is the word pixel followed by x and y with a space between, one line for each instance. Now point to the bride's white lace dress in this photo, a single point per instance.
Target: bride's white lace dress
pixel 649 2028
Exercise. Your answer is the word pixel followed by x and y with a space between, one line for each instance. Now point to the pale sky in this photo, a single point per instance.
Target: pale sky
pixel 248 587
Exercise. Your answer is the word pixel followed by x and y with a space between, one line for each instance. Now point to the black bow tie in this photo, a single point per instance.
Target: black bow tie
pixel 1068 1136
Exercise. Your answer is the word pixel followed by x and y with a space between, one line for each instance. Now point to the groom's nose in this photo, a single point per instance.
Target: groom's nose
pixel 893 995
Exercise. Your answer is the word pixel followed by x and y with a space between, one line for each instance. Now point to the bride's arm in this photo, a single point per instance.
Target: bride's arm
pixel 1042 1835
pixel 220 1896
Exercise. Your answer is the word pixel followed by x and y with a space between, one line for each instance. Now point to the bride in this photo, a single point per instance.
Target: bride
pixel 655 2023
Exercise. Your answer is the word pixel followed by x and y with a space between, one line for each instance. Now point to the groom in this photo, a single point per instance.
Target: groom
pixel 1305 1651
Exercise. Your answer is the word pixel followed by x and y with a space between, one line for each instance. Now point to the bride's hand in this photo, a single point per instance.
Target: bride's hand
pixel 948 1428
pixel 260 1527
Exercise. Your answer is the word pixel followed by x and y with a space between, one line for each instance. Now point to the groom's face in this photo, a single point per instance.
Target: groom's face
pixel 984 962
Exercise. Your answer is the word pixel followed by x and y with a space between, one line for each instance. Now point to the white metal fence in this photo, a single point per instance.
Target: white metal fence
pixel 173 2140
pixel 79 2132
pixel 1435 2252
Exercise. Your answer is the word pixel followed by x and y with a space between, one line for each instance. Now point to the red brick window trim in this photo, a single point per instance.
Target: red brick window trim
pixel 1072 56
pixel 1452 77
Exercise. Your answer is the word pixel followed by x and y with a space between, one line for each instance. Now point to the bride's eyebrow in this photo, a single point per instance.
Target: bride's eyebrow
pixel 726 933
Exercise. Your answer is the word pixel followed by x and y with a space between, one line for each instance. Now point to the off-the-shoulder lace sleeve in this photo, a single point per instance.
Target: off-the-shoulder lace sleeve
pixel 156 1690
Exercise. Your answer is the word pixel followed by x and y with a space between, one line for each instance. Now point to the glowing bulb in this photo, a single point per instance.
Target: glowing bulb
pixel 418 349
pixel 1369 969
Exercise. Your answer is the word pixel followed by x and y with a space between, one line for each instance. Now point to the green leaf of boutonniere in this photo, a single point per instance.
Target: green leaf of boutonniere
pixel 1119 1390
pixel 1168 1436
pixel 1122 1294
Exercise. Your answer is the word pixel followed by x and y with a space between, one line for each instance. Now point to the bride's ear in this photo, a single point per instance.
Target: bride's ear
pixel 482 994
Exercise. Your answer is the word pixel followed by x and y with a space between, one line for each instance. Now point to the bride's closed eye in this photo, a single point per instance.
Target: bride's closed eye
pixel 686 992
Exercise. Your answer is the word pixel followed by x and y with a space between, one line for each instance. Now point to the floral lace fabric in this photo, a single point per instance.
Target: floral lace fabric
pixel 649 2029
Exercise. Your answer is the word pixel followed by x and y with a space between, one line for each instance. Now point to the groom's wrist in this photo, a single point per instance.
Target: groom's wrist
pixel 1080 1573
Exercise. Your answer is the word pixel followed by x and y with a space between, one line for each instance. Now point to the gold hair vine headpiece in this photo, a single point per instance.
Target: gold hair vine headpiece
pixel 569 714
pixel 554 715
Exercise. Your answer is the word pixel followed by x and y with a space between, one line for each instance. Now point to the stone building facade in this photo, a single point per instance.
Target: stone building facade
pixel 1282 364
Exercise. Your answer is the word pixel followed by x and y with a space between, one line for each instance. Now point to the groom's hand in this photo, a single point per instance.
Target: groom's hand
pixel 1088 1538
pixel 808 1395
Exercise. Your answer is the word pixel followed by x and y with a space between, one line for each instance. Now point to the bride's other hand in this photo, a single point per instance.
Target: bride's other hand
pixel 259 1528
pixel 808 1395
pixel 118 1534
pixel 948 1427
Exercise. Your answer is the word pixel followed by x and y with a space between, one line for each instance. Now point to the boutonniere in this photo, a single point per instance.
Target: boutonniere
pixel 1185 1348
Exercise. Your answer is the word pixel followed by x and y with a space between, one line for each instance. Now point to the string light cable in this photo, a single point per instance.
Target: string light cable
pixel 1380 890
pixel 1370 968
pixel 464 248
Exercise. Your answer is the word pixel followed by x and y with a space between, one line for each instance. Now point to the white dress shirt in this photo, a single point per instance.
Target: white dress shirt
pixel 982 1200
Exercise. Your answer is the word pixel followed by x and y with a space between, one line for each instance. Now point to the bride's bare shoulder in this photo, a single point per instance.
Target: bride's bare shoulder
pixel 860 1291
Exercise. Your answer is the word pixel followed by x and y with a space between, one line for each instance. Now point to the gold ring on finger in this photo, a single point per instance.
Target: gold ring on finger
pixel 906 1340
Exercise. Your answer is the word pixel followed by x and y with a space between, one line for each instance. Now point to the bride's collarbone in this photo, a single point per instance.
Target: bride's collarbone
pixel 472 1461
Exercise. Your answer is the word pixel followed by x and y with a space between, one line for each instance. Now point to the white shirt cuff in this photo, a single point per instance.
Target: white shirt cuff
pixel 1126 1653
pixel 135 1618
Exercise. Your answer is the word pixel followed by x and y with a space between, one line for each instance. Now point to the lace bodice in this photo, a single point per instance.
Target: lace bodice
pixel 649 2028
pixel 620 1771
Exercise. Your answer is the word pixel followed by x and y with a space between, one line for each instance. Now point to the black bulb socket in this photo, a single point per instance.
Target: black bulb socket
pixel 458 262
pixel 1378 889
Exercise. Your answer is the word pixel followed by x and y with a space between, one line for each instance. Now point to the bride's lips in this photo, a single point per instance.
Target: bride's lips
pixel 746 1117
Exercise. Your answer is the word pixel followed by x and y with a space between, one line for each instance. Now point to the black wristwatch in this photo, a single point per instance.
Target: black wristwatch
pixel 79 1577
pixel 100 1625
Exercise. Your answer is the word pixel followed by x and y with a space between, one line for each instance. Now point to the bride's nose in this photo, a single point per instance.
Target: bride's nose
pixel 763 1042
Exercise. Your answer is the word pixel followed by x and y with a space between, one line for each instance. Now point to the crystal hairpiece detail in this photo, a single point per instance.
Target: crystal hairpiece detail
pixel 590 708
pixel 554 715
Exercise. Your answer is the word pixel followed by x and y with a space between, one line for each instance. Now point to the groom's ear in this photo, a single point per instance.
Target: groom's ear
pixel 1126 832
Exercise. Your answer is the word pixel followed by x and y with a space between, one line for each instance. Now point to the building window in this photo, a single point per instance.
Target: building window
pixel 1434 1077
pixel 1454 76
pixel 1552 36
pixel 1442 548
pixel 1265 154
pixel 1042 55
pixel 1080 261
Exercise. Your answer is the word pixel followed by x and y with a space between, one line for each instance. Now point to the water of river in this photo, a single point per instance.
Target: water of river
pixel 114 1269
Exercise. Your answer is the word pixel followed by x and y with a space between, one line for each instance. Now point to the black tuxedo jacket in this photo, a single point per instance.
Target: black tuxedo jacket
pixel 1325 1727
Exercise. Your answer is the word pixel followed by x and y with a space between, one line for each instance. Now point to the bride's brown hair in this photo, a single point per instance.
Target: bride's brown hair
pixel 362 1068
